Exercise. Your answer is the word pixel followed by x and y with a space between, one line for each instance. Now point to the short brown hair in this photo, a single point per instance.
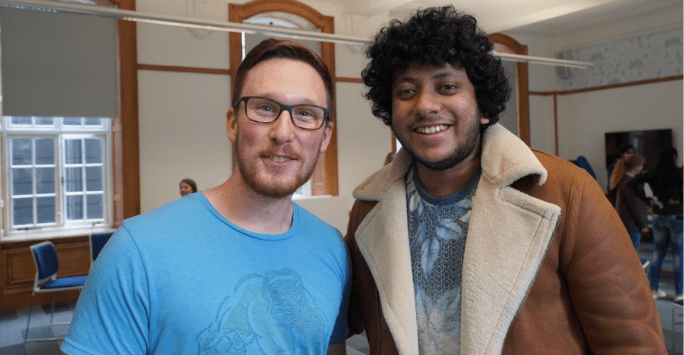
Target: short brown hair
pixel 272 49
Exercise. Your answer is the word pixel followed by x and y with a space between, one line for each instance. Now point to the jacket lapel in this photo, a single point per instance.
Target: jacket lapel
pixel 383 241
pixel 508 237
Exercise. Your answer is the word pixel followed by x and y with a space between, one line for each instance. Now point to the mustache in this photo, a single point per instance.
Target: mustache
pixel 282 150
pixel 423 118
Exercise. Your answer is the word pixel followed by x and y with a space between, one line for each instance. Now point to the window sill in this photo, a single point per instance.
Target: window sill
pixel 55 233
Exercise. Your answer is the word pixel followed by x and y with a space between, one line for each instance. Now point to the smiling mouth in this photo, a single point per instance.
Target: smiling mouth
pixel 431 129
pixel 279 159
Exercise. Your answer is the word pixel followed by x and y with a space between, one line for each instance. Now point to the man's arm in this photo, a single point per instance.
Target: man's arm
pixel 607 285
pixel 337 349
pixel 111 313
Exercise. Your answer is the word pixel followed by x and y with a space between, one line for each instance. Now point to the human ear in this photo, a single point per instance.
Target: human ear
pixel 231 124
pixel 327 135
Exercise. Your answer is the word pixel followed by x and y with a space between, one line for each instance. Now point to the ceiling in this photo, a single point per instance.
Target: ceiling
pixel 536 16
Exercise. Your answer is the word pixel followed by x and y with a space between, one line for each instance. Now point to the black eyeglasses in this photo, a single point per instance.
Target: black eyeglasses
pixel 263 110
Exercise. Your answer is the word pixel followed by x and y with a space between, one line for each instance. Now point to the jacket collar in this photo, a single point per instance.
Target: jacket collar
pixel 501 169
pixel 529 222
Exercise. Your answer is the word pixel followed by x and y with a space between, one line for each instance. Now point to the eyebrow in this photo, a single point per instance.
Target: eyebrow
pixel 440 75
pixel 302 100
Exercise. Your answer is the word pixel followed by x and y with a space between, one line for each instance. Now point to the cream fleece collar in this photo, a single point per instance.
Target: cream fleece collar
pixel 501 169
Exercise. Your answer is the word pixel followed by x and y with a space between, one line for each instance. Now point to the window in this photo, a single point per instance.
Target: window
pixel 56 173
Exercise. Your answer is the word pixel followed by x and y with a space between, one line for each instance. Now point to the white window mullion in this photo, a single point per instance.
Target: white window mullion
pixel 45 144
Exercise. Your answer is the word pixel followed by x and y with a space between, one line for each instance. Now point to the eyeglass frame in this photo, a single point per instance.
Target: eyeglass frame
pixel 326 112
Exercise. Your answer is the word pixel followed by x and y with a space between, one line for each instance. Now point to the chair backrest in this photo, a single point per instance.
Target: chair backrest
pixel 45 259
pixel 97 242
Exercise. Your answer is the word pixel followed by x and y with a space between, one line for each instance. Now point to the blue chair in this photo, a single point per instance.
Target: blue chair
pixel 97 242
pixel 47 265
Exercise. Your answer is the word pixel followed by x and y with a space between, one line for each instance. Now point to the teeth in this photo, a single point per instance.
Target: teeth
pixel 279 159
pixel 432 129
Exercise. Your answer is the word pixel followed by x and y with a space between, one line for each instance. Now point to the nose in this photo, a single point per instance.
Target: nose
pixel 282 129
pixel 427 103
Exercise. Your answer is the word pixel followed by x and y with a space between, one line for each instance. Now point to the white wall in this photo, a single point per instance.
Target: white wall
pixel 584 118
pixel 363 140
pixel 182 133
pixel 174 147
pixel 182 115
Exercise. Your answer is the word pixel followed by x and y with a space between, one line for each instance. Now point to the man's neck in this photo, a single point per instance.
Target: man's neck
pixel 443 183
pixel 243 207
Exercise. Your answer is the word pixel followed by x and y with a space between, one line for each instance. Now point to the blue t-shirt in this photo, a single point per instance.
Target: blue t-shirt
pixel 184 280
pixel 438 228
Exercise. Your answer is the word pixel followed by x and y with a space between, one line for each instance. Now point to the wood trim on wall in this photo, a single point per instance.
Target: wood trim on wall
pixel 180 69
pixel 555 95
pixel 512 46
pixel 349 80
pixel 325 178
pixel 129 113
pixel 607 87
pixel 17 271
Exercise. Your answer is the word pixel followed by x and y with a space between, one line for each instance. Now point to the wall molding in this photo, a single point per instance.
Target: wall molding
pixel 555 95
pixel 181 69
pixel 607 87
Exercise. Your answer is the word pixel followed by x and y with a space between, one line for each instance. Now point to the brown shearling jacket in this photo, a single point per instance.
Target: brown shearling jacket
pixel 548 265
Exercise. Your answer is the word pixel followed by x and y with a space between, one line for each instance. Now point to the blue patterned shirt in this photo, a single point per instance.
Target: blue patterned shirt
pixel 437 237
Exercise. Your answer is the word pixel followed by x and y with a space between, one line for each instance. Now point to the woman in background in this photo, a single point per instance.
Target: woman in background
pixel 187 186
pixel 630 208
pixel 666 183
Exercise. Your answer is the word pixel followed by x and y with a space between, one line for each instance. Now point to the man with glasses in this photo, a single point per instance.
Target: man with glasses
pixel 238 268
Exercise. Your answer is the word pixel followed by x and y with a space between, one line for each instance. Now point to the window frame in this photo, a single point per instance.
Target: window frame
pixel 59 132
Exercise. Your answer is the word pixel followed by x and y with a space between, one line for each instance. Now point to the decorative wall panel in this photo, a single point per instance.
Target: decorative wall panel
pixel 652 55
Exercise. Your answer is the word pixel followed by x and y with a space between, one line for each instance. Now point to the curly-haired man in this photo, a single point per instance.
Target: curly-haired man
pixel 469 241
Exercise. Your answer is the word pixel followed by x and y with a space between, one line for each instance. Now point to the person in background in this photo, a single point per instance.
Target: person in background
pixel 471 242
pixel 187 186
pixel 666 183
pixel 238 268
pixel 631 209
pixel 624 150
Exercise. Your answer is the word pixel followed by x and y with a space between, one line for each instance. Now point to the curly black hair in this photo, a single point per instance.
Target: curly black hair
pixel 435 36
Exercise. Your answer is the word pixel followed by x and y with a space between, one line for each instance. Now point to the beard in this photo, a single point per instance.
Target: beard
pixel 274 188
pixel 459 154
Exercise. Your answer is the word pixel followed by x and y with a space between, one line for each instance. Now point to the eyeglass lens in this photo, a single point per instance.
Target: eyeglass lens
pixel 303 116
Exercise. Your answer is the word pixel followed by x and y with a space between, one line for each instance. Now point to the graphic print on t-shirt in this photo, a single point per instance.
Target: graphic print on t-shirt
pixel 269 314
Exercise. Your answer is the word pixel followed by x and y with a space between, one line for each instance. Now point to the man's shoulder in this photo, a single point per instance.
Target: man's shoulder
pixel 311 221
pixel 557 166
pixel 169 216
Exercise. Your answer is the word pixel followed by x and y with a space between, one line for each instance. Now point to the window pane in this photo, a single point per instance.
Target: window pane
pixel 94 178
pixel 22 182
pixel 74 206
pixel 45 151
pixel 72 121
pixel 21 151
pixel 74 179
pixel 21 119
pixel 95 207
pixel 93 151
pixel 45 121
pixel 23 211
pixel 72 151
pixel 45 180
pixel 93 121
pixel 45 209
